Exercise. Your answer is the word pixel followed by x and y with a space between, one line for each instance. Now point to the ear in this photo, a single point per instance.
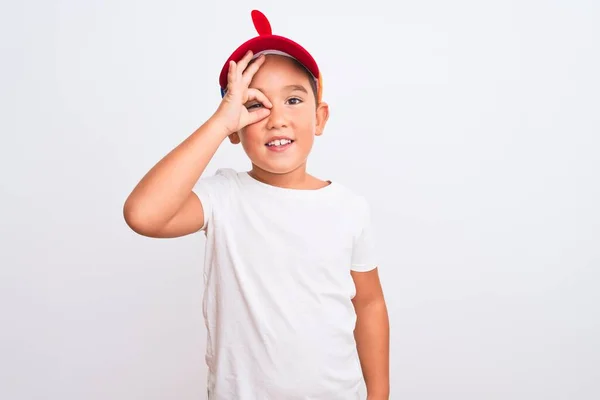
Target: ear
pixel 322 117
pixel 234 138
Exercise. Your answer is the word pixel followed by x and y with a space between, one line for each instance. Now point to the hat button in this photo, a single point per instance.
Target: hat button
pixel 261 23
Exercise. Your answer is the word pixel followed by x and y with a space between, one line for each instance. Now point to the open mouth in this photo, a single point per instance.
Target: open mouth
pixel 279 143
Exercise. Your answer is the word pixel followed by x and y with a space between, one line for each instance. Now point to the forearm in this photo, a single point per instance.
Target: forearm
pixel 372 340
pixel 163 190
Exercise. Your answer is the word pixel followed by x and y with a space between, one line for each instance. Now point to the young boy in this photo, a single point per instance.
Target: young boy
pixel 293 304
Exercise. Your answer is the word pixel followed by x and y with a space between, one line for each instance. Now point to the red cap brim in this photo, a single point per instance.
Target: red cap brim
pixel 271 42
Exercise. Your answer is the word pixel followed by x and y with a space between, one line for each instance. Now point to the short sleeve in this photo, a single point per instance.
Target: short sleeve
pixel 213 190
pixel 364 256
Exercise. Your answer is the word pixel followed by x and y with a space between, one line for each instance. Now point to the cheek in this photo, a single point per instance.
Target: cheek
pixel 305 122
pixel 251 136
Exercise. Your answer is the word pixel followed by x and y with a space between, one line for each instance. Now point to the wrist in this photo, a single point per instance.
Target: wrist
pixel 219 125
pixel 380 394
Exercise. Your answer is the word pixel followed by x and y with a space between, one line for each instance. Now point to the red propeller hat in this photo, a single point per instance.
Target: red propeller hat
pixel 268 43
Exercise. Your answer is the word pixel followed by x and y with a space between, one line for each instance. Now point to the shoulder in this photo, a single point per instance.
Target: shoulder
pixel 220 177
pixel 218 185
pixel 356 200
pixel 352 205
pixel 226 174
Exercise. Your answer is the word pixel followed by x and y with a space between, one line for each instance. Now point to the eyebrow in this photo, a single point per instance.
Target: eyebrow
pixel 291 87
pixel 297 87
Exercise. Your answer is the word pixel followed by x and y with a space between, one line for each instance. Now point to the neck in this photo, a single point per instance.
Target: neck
pixel 295 179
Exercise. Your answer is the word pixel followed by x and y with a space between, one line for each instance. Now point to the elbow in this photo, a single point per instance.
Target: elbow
pixel 132 216
pixel 137 218
pixel 370 305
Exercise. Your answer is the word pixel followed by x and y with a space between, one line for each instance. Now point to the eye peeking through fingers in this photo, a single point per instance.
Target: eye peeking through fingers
pixel 252 106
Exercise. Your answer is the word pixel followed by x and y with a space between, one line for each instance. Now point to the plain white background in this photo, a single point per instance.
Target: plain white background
pixel 471 126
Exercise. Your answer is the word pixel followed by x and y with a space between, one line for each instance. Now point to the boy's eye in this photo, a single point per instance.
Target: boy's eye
pixel 253 105
pixel 294 100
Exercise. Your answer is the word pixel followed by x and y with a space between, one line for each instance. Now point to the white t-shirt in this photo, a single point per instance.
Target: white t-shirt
pixel 277 302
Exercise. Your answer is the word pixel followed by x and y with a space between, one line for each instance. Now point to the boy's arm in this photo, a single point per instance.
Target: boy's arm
pixel 372 333
pixel 163 203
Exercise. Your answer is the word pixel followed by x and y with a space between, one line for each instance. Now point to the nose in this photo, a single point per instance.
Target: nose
pixel 277 118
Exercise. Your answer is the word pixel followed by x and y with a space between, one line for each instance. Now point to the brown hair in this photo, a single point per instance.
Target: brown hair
pixel 311 79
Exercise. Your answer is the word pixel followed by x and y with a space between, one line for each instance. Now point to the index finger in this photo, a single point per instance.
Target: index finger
pixel 255 94
pixel 251 70
pixel 243 63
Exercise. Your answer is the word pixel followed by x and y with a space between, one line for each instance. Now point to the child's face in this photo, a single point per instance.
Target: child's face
pixel 294 116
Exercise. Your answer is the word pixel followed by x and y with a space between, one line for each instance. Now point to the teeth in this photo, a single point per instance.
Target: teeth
pixel 279 142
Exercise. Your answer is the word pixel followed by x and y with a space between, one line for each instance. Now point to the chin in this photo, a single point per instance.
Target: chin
pixel 278 162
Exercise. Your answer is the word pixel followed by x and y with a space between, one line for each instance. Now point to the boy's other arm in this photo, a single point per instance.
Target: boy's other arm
pixel 372 333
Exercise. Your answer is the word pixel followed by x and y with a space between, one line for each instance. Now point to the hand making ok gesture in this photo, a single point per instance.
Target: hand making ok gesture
pixel 232 111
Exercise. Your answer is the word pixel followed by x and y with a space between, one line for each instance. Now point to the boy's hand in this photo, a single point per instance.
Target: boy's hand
pixel 232 111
